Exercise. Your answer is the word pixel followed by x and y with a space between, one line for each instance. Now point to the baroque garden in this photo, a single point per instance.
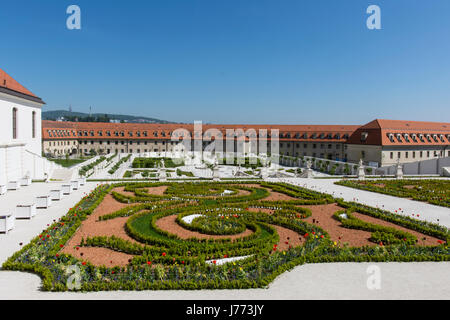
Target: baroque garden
pixel 196 235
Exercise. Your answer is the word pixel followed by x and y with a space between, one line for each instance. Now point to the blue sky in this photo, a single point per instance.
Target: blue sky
pixel 234 61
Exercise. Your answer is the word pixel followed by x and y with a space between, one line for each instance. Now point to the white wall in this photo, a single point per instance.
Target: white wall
pixel 432 166
pixel 21 156
pixel 25 109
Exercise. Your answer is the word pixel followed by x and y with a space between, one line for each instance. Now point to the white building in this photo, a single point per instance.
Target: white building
pixel 20 133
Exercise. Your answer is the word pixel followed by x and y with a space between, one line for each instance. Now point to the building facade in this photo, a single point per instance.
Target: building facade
pixel 379 143
pixel 20 132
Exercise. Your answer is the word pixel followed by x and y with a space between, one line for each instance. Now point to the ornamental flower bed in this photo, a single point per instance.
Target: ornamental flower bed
pixel 434 191
pixel 271 237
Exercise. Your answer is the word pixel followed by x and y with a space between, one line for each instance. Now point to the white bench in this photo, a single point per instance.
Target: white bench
pixel 25 181
pixel 25 211
pixel 13 185
pixel 56 194
pixel 75 184
pixel 7 222
pixel 43 202
pixel 82 181
pixel 2 189
pixel 66 188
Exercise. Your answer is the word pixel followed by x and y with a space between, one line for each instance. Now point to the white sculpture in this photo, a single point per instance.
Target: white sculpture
pixel 361 172
pixel 399 172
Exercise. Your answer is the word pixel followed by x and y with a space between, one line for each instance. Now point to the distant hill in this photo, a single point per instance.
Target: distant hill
pixel 96 117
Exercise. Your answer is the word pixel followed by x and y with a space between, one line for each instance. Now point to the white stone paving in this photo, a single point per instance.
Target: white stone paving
pixel 25 230
pixel 425 280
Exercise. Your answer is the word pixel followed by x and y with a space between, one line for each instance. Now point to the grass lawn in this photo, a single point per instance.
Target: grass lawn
pixel 66 163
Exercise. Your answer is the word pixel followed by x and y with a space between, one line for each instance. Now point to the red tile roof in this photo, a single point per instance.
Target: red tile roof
pixel 323 133
pixel 385 133
pixel 6 81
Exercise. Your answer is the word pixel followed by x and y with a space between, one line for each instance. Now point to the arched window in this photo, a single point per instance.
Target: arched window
pixel 14 124
pixel 33 124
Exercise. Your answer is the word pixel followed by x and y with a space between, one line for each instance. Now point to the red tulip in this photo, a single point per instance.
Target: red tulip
pixel 83 263
pixel 149 262
pixel 163 254
pixel 306 235
pixel 214 261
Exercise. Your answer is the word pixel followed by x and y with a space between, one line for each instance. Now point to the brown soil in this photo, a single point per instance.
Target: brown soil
pixel 273 196
pixel 379 185
pixel 159 191
pixel 430 240
pixel 323 216
pixel 268 211
pixel 409 187
pixel 121 190
pixel 91 227
pixel 287 238
pixel 276 196
pixel 169 224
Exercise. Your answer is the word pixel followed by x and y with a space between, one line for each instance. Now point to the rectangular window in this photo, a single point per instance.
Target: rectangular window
pixel 14 124
pixel 392 155
pixel 33 124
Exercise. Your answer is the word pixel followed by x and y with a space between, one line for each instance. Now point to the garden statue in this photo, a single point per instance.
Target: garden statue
pixel 361 172
pixel 308 173
pixel 399 172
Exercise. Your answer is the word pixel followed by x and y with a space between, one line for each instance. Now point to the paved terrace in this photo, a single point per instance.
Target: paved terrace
pixel 25 230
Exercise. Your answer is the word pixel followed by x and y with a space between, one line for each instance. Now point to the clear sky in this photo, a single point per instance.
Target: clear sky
pixel 234 61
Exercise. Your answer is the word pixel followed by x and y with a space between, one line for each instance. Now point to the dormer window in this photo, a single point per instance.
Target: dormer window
pixel 100 133
pixel 145 133
pixel 435 137
pixel 399 137
pixel 414 137
pixel 421 137
pixel 322 135
pixel 313 136
pixel 441 137
pixel 428 137
pixel 138 133
pixel 130 133
pixel 406 136
pixel 155 134
pixel 108 133
pixel 364 136
pixel 122 134
pixel 338 136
